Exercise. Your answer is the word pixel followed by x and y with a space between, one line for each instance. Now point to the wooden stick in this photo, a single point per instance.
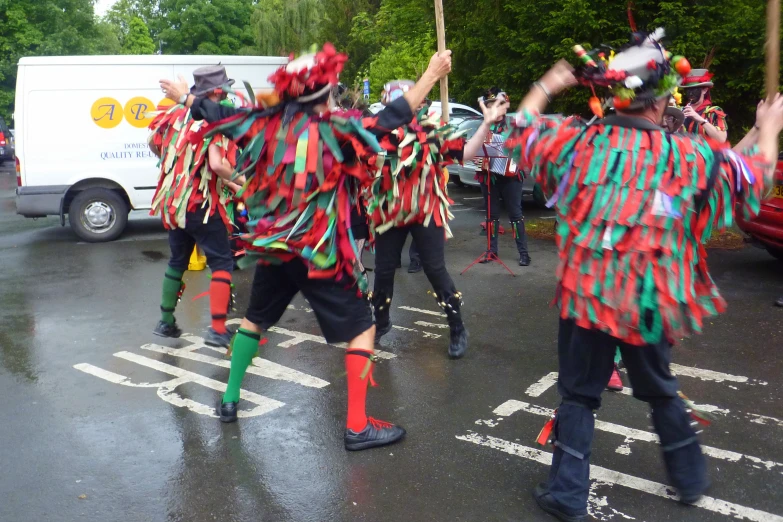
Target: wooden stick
pixel 773 48
pixel 440 29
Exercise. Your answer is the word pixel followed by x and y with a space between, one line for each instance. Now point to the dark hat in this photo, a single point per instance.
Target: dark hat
pixel 208 79
pixel 675 113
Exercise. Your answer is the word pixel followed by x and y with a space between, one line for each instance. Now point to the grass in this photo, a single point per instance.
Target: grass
pixel 725 240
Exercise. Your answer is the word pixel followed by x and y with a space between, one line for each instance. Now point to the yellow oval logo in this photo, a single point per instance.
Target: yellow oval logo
pixel 106 113
pixel 136 111
pixel 165 102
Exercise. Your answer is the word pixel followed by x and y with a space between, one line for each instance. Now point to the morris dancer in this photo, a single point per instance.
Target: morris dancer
pixel 701 117
pixel 410 196
pixel 506 178
pixel 632 267
pixel 191 198
pixel 305 169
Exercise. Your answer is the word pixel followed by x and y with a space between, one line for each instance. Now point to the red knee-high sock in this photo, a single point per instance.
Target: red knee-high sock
pixel 219 299
pixel 358 366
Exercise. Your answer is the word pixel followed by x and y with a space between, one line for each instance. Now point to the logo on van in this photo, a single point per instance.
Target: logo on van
pixel 106 113
pixel 136 111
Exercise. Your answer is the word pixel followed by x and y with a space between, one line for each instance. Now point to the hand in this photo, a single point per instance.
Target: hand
pixel 174 90
pixel 690 113
pixel 440 65
pixel 761 111
pixel 494 113
pixel 559 78
pixel 772 119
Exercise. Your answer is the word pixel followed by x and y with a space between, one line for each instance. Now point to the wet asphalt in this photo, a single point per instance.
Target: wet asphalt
pixel 76 446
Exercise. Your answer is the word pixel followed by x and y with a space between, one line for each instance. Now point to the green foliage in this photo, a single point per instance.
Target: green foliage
pixel 138 40
pixel 285 26
pixel 508 43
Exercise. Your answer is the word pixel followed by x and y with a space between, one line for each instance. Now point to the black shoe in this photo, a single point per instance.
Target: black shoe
pixel 164 329
pixel 227 411
pixel 376 433
pixel 414 267
pixel 779 302
pixel 546 502
pixel 524 259
pixel 218 340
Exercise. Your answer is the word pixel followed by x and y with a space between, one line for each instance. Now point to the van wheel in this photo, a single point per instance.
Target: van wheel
pixel 97 215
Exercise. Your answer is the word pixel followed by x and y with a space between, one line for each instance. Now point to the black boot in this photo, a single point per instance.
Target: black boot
pixel 685 463
pixel 569 478
pixel 458 338
pixel 381 303
pixel 518 227
pixel 493 239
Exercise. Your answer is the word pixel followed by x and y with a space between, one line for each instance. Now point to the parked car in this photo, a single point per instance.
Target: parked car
pixel 457 112
pixel 6 143
pixel 466 174
pixel 767 227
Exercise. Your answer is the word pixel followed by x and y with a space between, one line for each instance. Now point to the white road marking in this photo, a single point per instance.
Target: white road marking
pixel 457 205
pixel 421 311
pixel 469 199
pixel 462 209
pixel 426 335
pixel 166 389
pixel 549 380
pixel 763 419
pixel 709 375
pixel 543 384
pixel 611 477
pixel 425 324
pixel 632 434
pixel 260 367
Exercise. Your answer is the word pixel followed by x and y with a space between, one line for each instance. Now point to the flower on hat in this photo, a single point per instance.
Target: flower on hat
pixel 309 72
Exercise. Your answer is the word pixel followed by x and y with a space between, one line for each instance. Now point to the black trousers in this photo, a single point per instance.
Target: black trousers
pixel 211 237
pixel 413 253
pixel 586 361
pixel 511 190
pixel 430 242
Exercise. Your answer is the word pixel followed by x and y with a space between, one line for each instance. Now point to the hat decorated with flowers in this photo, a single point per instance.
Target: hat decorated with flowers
pixel 309 76
pixel 642 73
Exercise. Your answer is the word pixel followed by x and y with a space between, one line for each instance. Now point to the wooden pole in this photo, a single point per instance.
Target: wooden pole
pixel 440 29
pixel 773 48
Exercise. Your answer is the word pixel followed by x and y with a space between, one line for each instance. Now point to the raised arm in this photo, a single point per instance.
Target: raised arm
pixel 200 108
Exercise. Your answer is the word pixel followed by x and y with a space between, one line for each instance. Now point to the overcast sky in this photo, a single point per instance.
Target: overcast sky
pixel 101 6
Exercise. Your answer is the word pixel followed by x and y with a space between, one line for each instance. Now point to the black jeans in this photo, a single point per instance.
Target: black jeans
pixel 430 242
pixel 211 237
pixel 586 361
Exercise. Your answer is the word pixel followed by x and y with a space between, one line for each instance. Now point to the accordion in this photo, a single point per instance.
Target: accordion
pixel 494 158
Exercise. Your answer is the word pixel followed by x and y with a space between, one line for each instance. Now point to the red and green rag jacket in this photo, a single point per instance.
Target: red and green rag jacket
pixel 713 114
pixel 186 183
pixel 635 207
pixel 409 186
pixel 304 172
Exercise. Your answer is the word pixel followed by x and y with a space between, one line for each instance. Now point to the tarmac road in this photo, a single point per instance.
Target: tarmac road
pixel 102 421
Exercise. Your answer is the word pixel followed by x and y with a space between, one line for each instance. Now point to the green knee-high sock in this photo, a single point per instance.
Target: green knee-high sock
pixel 172 282
pixel 617 356
pixel 244 347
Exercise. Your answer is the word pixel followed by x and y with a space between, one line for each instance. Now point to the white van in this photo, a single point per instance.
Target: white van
pixel 81 133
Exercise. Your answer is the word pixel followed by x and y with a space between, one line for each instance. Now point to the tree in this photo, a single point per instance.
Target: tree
pixel 43 27
pixel 206 26
pixel 282 27
pixel 138 40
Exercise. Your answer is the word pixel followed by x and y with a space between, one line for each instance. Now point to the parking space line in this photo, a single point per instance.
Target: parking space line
pixel 468 199
pixel 610 477
pixel 632 434
pixel 425 324
pixel 426 335
pixel 421 311
pixel 259 366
